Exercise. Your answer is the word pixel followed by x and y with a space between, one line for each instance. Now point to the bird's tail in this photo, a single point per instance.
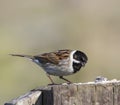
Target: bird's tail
pixel 20 55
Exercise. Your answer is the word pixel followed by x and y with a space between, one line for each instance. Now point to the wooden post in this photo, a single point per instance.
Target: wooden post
pixel 100 93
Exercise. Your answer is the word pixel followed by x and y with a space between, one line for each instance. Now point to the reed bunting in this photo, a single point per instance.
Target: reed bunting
pixel 60 63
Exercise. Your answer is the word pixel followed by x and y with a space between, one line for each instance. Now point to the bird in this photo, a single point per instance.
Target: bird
pixel 59 63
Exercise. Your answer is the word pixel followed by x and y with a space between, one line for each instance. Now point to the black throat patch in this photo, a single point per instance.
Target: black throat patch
pixel 76 67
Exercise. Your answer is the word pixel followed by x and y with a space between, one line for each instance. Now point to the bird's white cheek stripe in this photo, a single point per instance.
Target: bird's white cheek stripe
pixel 76 61
pixel 72 60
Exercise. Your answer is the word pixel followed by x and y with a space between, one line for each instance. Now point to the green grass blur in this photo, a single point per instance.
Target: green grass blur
pixel 33 27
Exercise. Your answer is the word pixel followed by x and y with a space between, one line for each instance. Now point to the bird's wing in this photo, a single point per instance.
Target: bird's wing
pixel 53 57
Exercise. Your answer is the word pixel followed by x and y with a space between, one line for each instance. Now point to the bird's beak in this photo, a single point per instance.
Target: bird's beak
pixel 83 64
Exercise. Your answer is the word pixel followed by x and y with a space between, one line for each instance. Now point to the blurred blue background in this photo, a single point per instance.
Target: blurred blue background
pixel 34 27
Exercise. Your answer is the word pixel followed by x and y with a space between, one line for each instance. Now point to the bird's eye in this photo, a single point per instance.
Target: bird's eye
pixel 83 59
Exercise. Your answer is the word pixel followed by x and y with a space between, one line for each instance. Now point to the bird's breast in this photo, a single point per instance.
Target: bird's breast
pixel 62 69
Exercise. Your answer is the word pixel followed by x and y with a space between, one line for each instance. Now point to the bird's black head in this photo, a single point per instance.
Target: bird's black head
pixel 80 59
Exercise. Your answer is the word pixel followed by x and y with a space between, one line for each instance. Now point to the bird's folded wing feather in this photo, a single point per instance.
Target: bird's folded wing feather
pixel 53 57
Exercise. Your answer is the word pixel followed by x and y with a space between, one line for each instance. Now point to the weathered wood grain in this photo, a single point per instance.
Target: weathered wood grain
pixel 102 93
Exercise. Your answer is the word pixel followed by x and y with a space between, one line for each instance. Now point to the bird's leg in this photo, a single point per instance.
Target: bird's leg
pixel 50 78
pixel 61 77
